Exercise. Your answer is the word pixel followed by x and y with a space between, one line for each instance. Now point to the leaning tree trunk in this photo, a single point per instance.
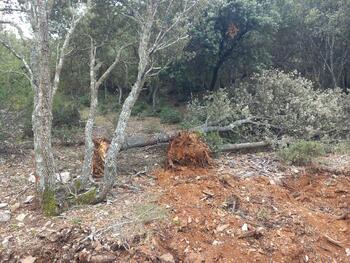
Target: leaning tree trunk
pixel 119 133
pixel 42 114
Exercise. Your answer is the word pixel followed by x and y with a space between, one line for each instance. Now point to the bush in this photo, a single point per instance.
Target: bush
pixel 65 113
pixel 291 106
pixel 139 108
pixel 213 107
pixel 301 152
pixel 84 100
pixel 66 135
pixel 170 115
pixel 213 140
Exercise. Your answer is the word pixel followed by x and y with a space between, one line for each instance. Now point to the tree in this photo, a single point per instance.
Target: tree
pixel 159 28
pixel 38 71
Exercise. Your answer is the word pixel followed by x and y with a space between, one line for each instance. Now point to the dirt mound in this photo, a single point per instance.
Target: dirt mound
pixel 101 146
pixel 187 149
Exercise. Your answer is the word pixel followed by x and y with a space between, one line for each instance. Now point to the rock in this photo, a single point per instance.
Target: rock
pixel 63 177
pixel 245 227
pixel 3 205
pixel 14 207
pixel 5 216
pixel 21 217
pixel 29 199
pixel 221 228
pixel 32 178
pixel 347 251
pixel 167 258
pixel 194 258
pixel 28 259
pixel 5 242
pixel 216 243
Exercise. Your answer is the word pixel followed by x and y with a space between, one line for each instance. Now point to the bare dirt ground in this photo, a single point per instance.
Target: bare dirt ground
pixel 244 208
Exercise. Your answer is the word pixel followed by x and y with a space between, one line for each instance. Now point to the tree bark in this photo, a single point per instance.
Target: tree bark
pixel 243 146
pixel 119 133
pixel 94 86
pixel 42 114
pixel 89 145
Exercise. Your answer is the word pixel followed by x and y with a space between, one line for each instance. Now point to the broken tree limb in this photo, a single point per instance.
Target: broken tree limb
pixel 243 146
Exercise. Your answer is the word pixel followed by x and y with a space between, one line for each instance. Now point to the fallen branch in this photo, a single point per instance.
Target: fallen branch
pixel 243 146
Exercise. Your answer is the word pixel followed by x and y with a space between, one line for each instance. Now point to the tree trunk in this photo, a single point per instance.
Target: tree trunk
pixel 94 87
pixel 214 77
pixel 89 145
pixel 42 114
pixel 119 134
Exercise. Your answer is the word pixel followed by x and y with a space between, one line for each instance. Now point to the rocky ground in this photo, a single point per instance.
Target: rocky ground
pixel 243 208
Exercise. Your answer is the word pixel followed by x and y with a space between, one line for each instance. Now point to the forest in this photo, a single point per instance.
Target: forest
pixel 174 131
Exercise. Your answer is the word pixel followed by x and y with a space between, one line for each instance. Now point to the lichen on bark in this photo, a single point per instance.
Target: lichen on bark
pixel 49 203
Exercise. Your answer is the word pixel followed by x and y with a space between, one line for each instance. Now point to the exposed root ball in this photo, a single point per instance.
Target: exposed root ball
pixel 100 151
pixel 187 149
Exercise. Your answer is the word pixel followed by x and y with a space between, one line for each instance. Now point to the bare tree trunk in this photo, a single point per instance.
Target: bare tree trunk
pixel 119 134
pixel 42 114
pixel 94 86
pixel 89 145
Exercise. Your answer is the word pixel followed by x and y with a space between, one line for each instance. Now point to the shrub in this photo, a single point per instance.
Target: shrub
pixel 213 107
pixel 66 135
pixel 301 152
pixel 213 140
pixel 85 100
pixel 170 115
pixel 65 113
pixel 139 108
pixel 291 106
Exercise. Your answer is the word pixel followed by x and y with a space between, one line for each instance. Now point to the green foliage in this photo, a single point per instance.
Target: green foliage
pixel 84 100
pixel 87 198
pixel 140 108
pixel 289 105
pixel 342 147
pixel 213 140
pixel 65 113
pixel 67 135
pixel 301 152
pixel 214 107
pixel 170 115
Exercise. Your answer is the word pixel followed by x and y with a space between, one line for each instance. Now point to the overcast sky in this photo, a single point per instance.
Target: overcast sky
pixel 17 18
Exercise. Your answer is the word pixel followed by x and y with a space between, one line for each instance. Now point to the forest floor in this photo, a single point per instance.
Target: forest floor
pixel 243 208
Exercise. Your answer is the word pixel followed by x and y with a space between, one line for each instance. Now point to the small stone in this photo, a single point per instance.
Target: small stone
pixel 15 207
pixel 5 242
pixel 32 178
pixel 5 216
pixel 221 228
pixel 347 251
pixel 28 259
pixel 194 258
pixel 29 199
pixel 216 243
pixel 63 177
pixel 21 217
pixel 167 258
pixel 245 227
pixel 2 205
